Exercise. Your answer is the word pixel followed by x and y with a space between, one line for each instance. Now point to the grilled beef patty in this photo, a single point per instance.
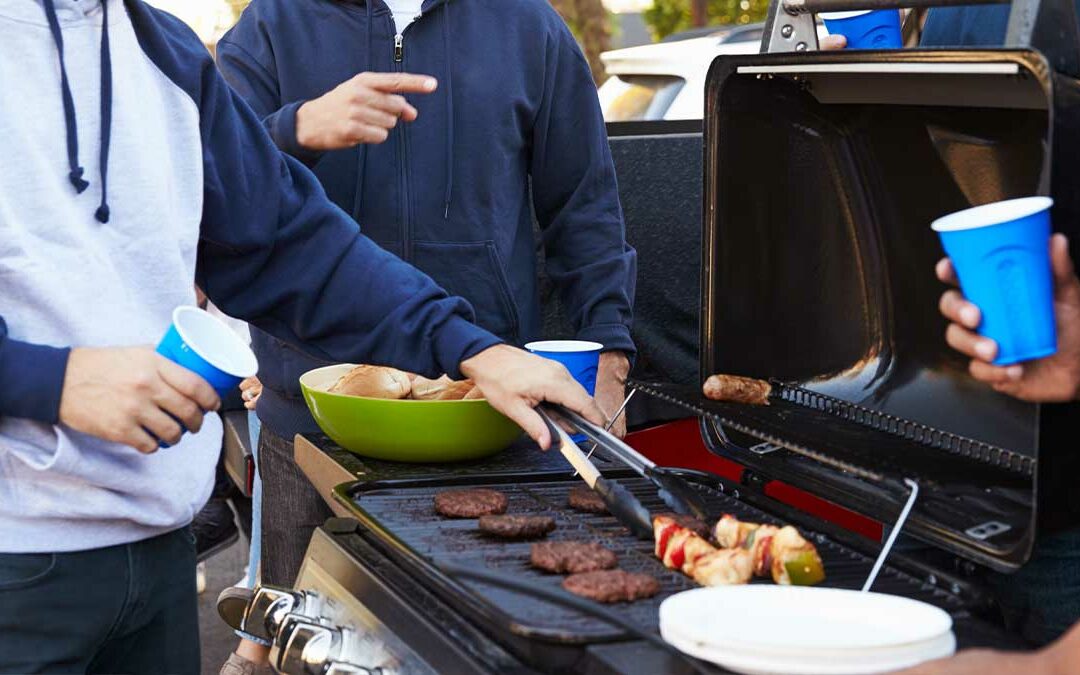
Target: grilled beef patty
pixel 571 557
pixel 584 498
pixel 517 527
pixel 612 586
pixel 695 525
pixel 470 503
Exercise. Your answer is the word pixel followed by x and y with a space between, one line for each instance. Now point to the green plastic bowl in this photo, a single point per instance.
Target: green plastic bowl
pixel 405 431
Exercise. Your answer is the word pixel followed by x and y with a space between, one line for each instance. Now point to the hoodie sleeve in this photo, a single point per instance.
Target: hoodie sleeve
pixel 577 201
pixel 253 78
pixel 275 252
pixel 31 378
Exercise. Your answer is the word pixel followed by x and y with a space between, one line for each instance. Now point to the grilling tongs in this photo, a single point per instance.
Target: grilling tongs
pixel 618 500
pixel 623 505
pixel 673 489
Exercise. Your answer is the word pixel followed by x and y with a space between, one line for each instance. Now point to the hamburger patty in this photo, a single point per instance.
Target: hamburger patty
pixel 612 586
pixel 571 557
pixel 584 498
pixel 695 525
pixel 470 503
pixel 517 527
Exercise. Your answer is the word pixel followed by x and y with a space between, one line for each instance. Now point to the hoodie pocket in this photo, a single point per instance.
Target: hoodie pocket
pixel 473 271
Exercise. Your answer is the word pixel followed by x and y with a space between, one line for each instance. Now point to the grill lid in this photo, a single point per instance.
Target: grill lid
pixel 822 175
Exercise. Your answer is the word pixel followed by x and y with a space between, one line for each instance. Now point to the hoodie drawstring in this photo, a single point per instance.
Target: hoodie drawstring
pixel 75 173
pixel 102 213
pixel 449 110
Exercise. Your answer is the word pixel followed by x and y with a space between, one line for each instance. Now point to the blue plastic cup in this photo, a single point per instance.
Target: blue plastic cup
pixel 205 345
pixel 866 29
pixel 1000 252
pixel 581 358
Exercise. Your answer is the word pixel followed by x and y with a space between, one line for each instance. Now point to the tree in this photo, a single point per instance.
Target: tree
pixel 590 24
pixel 671 16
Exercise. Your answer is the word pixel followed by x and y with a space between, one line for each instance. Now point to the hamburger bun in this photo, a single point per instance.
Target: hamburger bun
pixel 373 382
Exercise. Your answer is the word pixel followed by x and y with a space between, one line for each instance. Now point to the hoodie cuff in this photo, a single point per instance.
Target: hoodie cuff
pixel 283 131
pixel 32 380
pixel 614 336
pixel 459 340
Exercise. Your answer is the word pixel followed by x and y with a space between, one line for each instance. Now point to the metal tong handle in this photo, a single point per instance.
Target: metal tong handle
pixel 611 423
pixel 619 501
pixel 600 437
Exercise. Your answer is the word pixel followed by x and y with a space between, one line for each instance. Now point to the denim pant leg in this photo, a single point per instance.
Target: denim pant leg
pixel 122 609
pixel 255 547
pixel 1042 599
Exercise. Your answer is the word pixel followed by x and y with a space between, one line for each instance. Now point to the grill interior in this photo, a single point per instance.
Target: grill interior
pixel 401 516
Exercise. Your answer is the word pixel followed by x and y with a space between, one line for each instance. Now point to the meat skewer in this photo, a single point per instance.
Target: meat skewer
pixel 747 550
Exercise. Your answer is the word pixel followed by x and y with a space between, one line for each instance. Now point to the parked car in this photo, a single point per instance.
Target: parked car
pixel 666 80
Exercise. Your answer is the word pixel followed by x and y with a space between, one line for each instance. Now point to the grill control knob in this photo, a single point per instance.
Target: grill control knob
pixel 268 610
pixel 307 648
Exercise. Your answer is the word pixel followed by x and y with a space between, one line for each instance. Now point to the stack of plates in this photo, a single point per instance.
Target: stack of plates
pixel 805 631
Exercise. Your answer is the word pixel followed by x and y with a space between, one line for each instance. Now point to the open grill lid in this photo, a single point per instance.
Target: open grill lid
pixel 823 172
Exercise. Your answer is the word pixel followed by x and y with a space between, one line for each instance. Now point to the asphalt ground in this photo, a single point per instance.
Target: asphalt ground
pixel 222 571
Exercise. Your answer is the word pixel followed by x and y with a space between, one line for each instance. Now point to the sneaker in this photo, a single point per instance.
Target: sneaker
pixel 200 578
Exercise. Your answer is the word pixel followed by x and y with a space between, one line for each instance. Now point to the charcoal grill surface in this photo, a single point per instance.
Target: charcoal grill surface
pixel 401 516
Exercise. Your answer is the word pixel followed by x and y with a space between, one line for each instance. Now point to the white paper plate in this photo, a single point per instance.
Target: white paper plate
pixel 826 662
pixel 797 620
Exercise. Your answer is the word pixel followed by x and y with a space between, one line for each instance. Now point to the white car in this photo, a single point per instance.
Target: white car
pixel 666 80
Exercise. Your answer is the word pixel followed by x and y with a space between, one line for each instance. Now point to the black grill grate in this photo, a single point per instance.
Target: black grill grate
pixel 403 517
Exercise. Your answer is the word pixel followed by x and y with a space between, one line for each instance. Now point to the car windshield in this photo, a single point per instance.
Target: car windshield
pixel 631 98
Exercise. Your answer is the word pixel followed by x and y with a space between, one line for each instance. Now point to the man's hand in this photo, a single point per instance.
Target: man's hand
pixel 250 391
pixel 360 110
pixel 514 382
pixel 1052 379
pixel 1060 658
pixel 984 662
pixel 611 387
pixel 125 394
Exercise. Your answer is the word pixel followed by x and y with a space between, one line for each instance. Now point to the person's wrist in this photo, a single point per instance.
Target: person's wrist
pixel 616 365
pixel 305 132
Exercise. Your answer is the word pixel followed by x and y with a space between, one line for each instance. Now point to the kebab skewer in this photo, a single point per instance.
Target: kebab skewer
pixel 781 553
pixel 747 549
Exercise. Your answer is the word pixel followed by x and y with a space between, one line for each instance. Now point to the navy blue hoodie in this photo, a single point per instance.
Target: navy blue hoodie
pixel 450 192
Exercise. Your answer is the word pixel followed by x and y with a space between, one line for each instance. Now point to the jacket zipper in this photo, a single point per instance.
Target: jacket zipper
pixel 406 230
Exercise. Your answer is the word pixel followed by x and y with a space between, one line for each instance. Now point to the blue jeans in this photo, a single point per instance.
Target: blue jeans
pixel 1042 600
pixel 122 609
pixel 255 547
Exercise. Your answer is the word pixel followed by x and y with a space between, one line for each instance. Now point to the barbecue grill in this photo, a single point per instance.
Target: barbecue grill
pixel 823 172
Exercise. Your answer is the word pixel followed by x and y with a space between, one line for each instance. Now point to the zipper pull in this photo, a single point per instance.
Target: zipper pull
pixel 399 48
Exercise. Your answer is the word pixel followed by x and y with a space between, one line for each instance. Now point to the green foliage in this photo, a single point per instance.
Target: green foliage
pixel 671 16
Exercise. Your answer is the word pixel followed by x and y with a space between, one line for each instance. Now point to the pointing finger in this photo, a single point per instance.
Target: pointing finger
pixel 401 82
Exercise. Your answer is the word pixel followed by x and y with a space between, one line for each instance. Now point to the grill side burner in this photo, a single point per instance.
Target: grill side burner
pixel 399 518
